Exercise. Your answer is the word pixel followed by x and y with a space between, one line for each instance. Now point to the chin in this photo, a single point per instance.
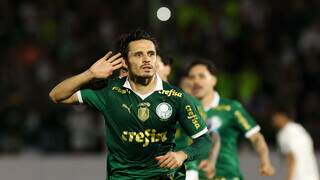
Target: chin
pixel 197 95
pixel 148 75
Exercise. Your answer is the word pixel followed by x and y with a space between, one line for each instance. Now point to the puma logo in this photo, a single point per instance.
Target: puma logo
pixel 126 107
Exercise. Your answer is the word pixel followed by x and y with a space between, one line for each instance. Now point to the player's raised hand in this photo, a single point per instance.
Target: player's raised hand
pixel 266 169
pixel 172 160
pixel 105 66
pixel 208 167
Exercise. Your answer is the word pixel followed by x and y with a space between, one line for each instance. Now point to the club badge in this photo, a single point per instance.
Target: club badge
pixel 214 122
pixel 164 111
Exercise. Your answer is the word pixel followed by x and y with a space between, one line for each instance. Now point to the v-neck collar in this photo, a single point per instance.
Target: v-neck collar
pixel 159 86
pixel 215 101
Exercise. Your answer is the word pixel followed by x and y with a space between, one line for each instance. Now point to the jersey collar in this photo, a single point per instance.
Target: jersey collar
pixel 215 101
pixel 159 86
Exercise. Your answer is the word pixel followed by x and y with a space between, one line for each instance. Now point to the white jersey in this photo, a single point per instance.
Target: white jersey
pixel 295 139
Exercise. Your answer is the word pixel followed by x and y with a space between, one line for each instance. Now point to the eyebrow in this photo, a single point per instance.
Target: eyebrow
pixel 138 51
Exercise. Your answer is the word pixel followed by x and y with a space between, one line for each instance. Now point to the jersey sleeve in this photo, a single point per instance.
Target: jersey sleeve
pixel 95 98
pixel 244 121
pixel 190 118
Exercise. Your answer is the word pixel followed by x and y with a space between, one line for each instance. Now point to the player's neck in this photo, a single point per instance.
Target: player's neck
pixel 207 100
pixel 142 85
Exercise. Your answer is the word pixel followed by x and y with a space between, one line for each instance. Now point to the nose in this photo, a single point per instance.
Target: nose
pixel 146 59
pixel 194 79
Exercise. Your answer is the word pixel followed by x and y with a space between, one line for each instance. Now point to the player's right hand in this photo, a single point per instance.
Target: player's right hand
pixel 105 66
pixel 208 167
pixel 266 169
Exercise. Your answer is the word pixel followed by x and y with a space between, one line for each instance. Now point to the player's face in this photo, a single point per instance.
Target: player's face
pixel 142 58
pixel 186 85
pixel 278 120
pixel 202 81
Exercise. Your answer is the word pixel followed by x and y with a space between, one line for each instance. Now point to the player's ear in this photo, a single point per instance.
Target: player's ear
pixel 168 69
pixel 124 63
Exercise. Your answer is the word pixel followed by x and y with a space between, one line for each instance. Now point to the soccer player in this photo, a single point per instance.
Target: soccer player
pixel 140 112
pixel 201 169
pixel 182 140
pixel 297 146
pixel 231 120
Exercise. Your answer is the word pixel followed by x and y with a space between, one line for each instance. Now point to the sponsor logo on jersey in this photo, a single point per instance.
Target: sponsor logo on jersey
pixel 171 92
pixel 146 137
pixel 215 122
pixel 120 90
pixel 193 117
pixel 164 111
pixel 223 108
pixel 127 107
pixel 143 111
pixel 242 120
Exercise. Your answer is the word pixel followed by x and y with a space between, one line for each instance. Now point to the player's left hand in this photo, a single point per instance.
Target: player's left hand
pixel 172 160
pixel 266 169
pixel 208 167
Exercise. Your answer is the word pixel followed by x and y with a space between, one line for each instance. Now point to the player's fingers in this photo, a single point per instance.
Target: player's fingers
pixel 172 164
pixel 118 66
pixel 163 158
pixel 114 57
pixel 165 162
pixel 158 158
pixel 202 164
pixel 117 61
pixel 107 55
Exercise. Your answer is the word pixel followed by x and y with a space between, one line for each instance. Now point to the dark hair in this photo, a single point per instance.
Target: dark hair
pixel 137 34
pixel 207 63
pixel 166 60
pixel 283 109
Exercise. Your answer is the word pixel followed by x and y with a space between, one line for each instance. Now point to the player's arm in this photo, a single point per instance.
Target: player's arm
pixel 208 165
pixel 65 92
pixel 193 124
pixel 252 131
pixel 197 150
pixel 291 165
pixel 260 145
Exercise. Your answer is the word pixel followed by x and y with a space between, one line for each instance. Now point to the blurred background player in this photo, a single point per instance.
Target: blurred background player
pixel 297 146
pixel 231 120
pixel 164 64
pixel 164 67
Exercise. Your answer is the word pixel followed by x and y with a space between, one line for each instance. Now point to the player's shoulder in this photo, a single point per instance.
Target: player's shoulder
pixel 116 85
pixel 231 103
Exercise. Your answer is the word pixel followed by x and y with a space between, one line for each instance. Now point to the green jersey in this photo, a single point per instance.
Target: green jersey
pixel 231 120
pixel 182 139
pixel 141 127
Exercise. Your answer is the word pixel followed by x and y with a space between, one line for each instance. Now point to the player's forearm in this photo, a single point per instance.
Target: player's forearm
pixel 199 149
pixel 261 147
pixel 291 166
pixel 215 148
pixel 68 87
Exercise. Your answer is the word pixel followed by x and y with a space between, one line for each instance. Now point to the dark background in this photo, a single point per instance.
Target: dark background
pixel 267 52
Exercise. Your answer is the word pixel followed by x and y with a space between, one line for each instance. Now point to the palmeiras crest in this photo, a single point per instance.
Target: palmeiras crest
pixel 143 111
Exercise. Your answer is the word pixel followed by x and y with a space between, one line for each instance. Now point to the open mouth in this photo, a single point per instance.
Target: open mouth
pixel 147 67
pixel 197 88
